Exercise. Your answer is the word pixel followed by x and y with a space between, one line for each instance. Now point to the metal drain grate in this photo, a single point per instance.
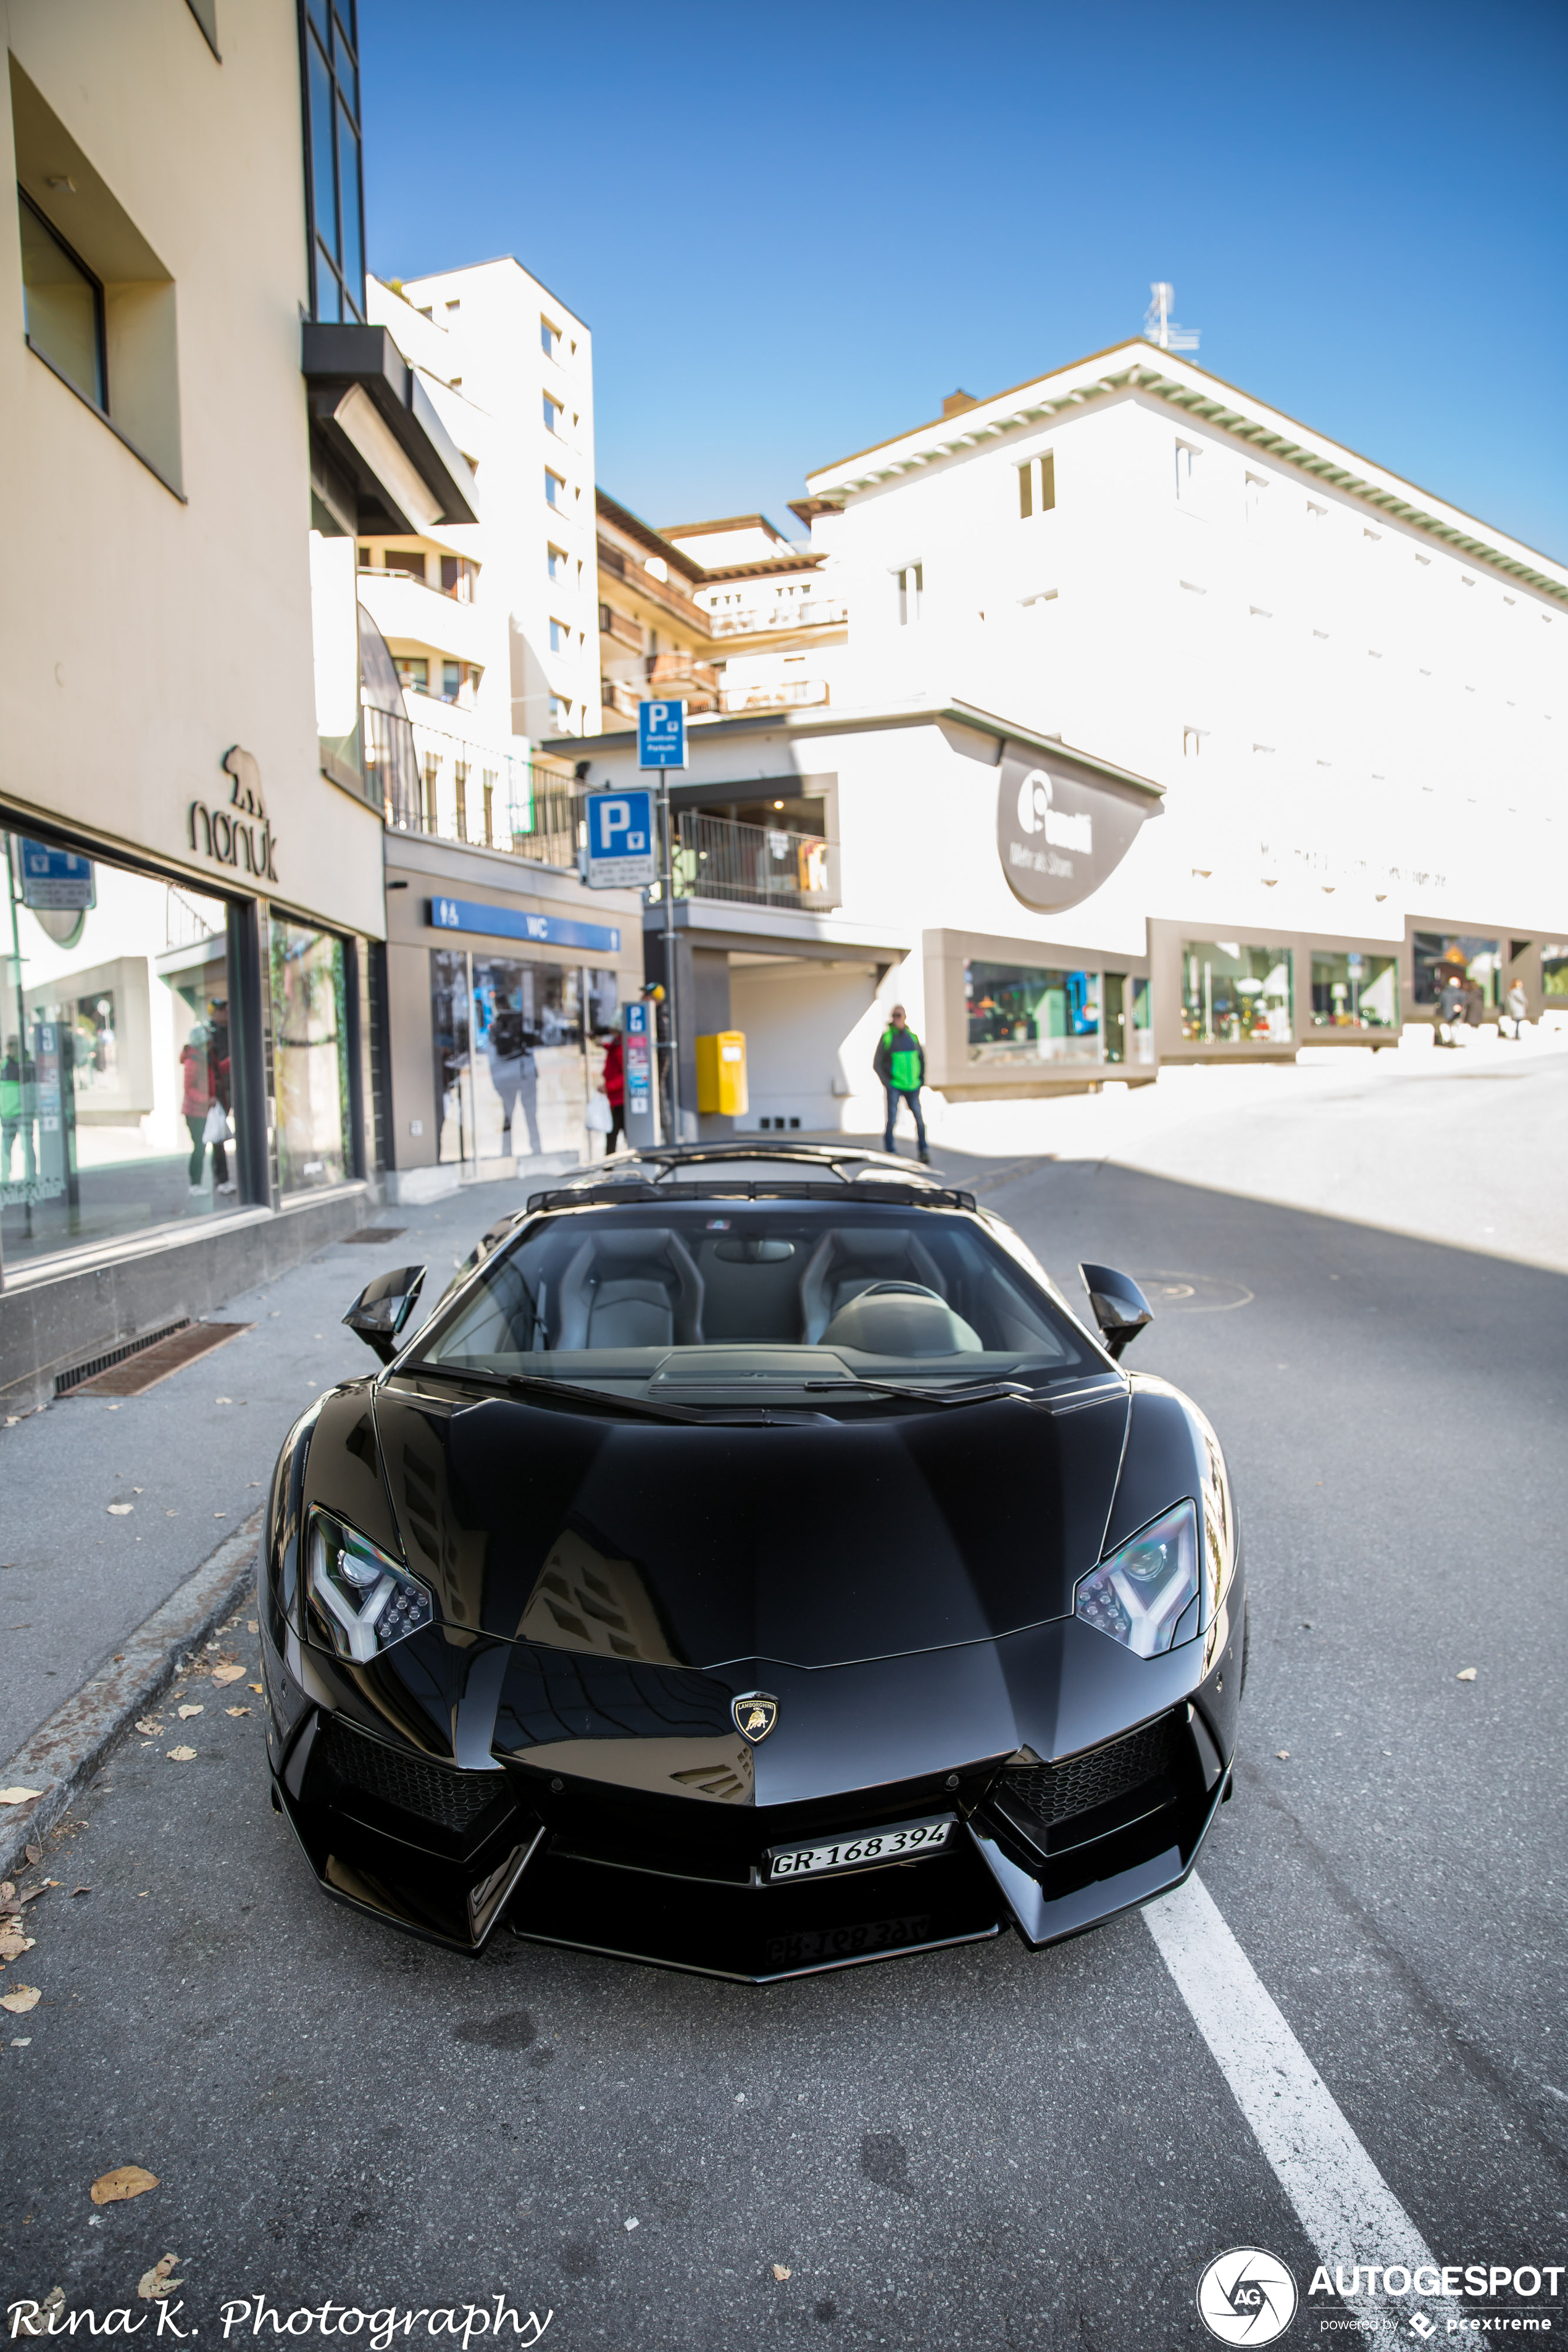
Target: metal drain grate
pixel 66 1381
pixel 375 1234
pixel 153 1359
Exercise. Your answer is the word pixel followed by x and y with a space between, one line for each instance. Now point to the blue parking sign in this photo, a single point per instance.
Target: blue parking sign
pixel 661 734
pixel 621 853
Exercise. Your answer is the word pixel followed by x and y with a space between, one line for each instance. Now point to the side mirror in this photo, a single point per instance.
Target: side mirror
pixel 383 1306
pixel 1119 1307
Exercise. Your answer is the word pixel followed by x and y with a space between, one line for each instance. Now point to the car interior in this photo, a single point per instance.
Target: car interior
pixel 875 1285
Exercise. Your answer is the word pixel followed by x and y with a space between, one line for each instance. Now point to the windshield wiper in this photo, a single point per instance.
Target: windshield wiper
pixel 979 1392
pixel 602 1400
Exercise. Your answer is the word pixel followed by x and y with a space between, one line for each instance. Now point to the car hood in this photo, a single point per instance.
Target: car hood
pixel 818 1544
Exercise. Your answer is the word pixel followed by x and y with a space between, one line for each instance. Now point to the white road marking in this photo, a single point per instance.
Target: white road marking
pixel 1342 2201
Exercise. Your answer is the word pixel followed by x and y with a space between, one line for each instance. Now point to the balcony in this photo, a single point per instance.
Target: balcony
pixel 760 620
pixel 454 788
pixel 753 865
pixel 411 612
pixel 785 694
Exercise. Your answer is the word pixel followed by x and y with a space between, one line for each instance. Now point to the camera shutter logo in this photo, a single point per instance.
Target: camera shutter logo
pixel 1247 2296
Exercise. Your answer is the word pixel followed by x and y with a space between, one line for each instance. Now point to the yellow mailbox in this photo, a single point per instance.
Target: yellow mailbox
pixel 721 1073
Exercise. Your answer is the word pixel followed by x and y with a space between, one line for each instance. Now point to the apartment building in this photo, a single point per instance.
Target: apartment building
pixel 655 635
pixel 777 627
pixel 1164 728
pixel 199 419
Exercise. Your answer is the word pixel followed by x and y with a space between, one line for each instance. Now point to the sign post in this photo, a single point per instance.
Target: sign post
pixel 638 1061
pixel 662 744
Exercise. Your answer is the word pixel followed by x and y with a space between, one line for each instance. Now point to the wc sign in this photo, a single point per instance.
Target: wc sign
pixel 621 855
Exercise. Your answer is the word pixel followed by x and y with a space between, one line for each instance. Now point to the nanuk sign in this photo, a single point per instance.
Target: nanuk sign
pixel 240 836
pixel 1057 834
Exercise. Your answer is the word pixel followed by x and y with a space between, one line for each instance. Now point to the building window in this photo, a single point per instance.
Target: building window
pixel 62 307
pixel 310 1056
pixel 1189 473
pixel 548 340
pixel 1022 1014
pixel 451 680
pixel 114 1051
pixel 912 588
pixel 560 711
pixel 1038 485
pixel 1257 492
pixel 1439 957
pixel 409 561
pixel 458 575
pixel 412 673
pixel 490 792
pixel 1235 995
pixel 334 202
pixel 1354 990
pixel 1192 741
pixel 560 637
pixel 554 489
pixel 552 414
pixel 461 787
pixel 555 558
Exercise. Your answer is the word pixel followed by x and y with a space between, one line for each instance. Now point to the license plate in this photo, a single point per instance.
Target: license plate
pixel 902 1843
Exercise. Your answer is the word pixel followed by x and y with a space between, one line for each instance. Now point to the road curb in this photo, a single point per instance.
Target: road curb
pixel 64 1753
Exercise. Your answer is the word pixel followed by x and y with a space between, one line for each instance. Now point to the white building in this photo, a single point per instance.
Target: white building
pixel 1345 698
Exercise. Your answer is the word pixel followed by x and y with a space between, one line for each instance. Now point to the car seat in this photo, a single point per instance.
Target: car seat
pixel 634 1288
pixel 848 1260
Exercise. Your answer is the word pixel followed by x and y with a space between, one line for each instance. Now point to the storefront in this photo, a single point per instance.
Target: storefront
pixel 505 978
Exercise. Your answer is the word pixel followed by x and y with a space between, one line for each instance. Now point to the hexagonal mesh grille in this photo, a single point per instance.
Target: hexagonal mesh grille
pixel 1048 1794
pixel 436 1792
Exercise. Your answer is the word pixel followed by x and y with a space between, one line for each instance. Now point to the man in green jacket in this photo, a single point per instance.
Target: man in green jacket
pixel 901 1064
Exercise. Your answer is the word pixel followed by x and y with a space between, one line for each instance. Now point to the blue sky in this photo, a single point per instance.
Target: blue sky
pixel 792 229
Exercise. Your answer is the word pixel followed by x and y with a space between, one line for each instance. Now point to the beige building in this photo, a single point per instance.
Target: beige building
pixel 194 871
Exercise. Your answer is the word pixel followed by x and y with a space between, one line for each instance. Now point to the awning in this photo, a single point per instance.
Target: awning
pixel 382 462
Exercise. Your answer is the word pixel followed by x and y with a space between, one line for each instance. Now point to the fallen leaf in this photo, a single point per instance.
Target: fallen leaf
pixel 255 1687
pixel 145 1724
pixel 220 1515
pixel 1283 1754
pixel 182 1755
pixel 187 1713
pixel 125 2180
pixel 44 2314
pixel 227 1674
pixel 1465 1675
pixel 12 1943
pixel 21 1999
pixel 253 1627
pixel 82 1890
pixel 154 2285
pixel 15 1797
pixel 779 2272
pixel 35 1854
pixel 121 1510
pixel 237 1710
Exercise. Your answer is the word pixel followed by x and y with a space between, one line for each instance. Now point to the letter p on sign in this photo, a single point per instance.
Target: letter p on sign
pixel 615 817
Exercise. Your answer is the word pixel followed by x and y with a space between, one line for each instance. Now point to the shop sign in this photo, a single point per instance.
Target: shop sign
pixel 514 923
pixel 1058 836
pixel 239 835
pixel 56 881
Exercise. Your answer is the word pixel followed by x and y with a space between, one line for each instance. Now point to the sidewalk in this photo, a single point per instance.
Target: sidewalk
pixel 192 1458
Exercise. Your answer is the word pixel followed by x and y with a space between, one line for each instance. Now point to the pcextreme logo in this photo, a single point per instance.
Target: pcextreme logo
pixel 1247 2296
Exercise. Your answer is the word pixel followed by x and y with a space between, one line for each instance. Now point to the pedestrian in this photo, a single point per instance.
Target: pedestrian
pixel 1450 1008
pixel 901 1064
pixel 1515 1004
pixel 615 1085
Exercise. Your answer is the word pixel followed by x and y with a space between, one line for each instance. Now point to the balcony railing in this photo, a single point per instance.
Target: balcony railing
pixel 787 694
pixel 817 612
pixel 454 788
pixel 753 865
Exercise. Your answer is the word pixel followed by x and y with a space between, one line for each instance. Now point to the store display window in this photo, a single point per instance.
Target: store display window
pixel 116 1102
pixel 511 1077
pixel 1554 975
pixel 310 1056
pixel 1437 957
pixel 1020 1015
pixel 1354 990
pixel 1143 1036
pixel 1235 995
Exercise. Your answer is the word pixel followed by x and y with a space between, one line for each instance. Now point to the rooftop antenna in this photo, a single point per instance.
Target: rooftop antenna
pixel 1161 328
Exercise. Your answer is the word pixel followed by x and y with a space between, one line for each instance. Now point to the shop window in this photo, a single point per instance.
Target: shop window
pixel 1235 995
pixel 1142 1026
pixel 1554 974
pixel 1020 1015
pixel 1354 990
pixel 310 1056
pixel 116 1093
pixel 511 1077
pixel 1437 957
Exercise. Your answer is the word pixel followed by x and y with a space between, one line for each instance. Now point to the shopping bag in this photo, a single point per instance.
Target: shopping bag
pixel 217 1129
pixel 596 1118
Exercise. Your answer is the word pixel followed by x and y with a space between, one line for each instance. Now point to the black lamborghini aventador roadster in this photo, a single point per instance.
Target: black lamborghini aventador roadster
pixel 752 1565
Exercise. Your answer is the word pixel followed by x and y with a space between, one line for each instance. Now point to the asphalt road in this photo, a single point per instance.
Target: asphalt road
pixel 980 2148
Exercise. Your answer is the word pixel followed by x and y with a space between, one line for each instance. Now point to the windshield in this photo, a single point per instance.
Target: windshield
pixel 770 1292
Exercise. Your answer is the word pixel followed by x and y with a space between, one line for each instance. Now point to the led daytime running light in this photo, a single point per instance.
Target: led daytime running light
pixel 364 1601
pixel 1145 1596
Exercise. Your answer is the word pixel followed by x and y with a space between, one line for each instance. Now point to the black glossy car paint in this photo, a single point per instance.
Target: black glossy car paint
pixel 901 1582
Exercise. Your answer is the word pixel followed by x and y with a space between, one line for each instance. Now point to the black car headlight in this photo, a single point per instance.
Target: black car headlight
pixel 1146 1595
pixel 362 1600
